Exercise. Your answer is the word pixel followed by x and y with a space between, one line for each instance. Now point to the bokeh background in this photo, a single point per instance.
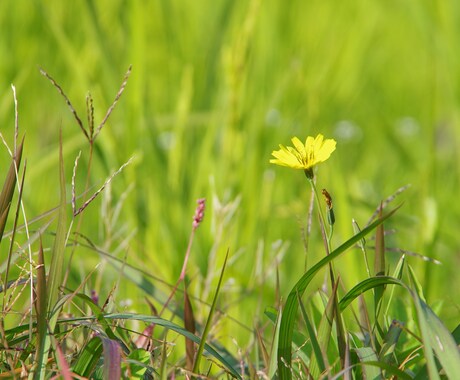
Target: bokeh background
pixel 215 87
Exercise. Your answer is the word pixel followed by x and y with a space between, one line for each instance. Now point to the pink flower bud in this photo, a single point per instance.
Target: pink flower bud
pixel 199 212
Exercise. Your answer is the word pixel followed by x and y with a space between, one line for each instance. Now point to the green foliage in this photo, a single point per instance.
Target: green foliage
pixel 88 252
pixel 384 362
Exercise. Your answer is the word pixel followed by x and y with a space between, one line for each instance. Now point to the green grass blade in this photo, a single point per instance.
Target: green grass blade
pixel 196 365
pixel 57 253
pixel 317 365
pixel 40 310
pixel 441 342
pixel 274 348
pixel 397 273
pixel 365 285
pixel 379 270
pixel 390 341
pixel 367 354
pixel 290 309
pixel 424 328
pixel 456 334
pixel 379 260
pixel 88 358
pixel 3 218
pixel 416 284
pixel 436 338
pixel 389 370
pixel 56 266
pixel 137 363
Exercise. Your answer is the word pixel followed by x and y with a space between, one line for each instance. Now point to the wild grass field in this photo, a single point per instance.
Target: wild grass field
pixel 205 91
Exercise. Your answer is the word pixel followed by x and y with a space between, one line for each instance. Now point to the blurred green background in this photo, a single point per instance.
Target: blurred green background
pixel 215 87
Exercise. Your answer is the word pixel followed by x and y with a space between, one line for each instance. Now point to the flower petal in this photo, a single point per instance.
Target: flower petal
pixel 318 143
pixel 309 143
pixel 299 146
pixel 304 156
pixel 285 157
pixel 326 150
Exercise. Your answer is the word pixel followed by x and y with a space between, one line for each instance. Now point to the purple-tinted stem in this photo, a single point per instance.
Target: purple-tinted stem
pixel 197 219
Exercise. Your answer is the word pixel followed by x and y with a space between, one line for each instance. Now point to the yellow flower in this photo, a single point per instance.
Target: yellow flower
pixel 304 156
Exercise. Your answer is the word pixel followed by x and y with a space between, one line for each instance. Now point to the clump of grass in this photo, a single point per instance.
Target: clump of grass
pixel 51 327
pixel 65 332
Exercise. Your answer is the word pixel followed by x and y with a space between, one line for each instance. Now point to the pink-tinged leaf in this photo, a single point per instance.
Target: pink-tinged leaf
pixel 65 373
pixel 189 324
pixel 9 185
pixel 112 359
pixel 145 339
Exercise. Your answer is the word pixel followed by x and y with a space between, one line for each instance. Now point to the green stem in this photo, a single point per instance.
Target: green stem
pixel 320 211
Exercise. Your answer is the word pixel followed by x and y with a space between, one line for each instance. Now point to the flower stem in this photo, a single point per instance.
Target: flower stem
pixel 327 237
pixel 320 211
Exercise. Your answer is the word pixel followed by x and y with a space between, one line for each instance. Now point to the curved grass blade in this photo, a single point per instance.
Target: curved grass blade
pixel 365 285
pixel 290 309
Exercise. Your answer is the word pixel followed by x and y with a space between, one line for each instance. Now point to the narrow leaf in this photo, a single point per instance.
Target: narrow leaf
pixel 57 252
pixel 317 362
pixel 273 364
pixel 189 324
pixel 63 366
pixel 57 259
pixel 416 284
pixel 207 327
pixel 396 274
pixel 379 270
pixel 390 341
pixel 40 311
pixel 88 358
pixel 440 340
pixel 138 362
pixel 112 359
